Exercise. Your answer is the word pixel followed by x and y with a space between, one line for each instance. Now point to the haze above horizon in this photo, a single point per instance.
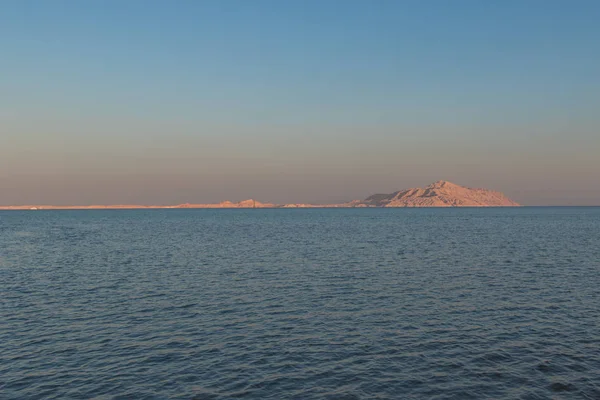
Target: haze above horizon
pixel 156 102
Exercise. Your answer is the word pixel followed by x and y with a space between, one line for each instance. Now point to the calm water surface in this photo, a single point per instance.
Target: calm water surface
pixel 300 304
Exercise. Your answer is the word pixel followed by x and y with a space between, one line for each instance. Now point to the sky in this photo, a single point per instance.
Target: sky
pixel 168 102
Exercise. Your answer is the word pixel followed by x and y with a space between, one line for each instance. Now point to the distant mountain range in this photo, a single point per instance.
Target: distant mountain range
pixel 438 194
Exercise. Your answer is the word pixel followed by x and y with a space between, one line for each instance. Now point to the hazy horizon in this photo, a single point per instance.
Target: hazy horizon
pixel 309 102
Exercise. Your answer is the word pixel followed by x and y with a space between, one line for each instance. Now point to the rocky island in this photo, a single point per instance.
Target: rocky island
pixel 440 194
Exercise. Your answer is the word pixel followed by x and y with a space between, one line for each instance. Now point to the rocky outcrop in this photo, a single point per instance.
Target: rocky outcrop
pixel 441 194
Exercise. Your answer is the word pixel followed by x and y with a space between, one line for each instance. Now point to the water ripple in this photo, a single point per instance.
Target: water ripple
pixel 300 304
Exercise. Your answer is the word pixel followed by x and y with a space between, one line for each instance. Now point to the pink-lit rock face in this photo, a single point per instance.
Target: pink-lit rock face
pixel 441 194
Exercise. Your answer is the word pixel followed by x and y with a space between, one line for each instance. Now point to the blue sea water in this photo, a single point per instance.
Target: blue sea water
pixel 300 304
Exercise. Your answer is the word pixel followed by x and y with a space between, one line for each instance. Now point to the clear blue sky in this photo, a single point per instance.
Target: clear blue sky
pixel 307 101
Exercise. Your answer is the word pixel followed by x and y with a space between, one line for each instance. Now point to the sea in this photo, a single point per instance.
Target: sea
pixel 410 303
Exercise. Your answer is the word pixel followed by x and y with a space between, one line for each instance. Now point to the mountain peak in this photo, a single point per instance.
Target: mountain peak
pixel 443 184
